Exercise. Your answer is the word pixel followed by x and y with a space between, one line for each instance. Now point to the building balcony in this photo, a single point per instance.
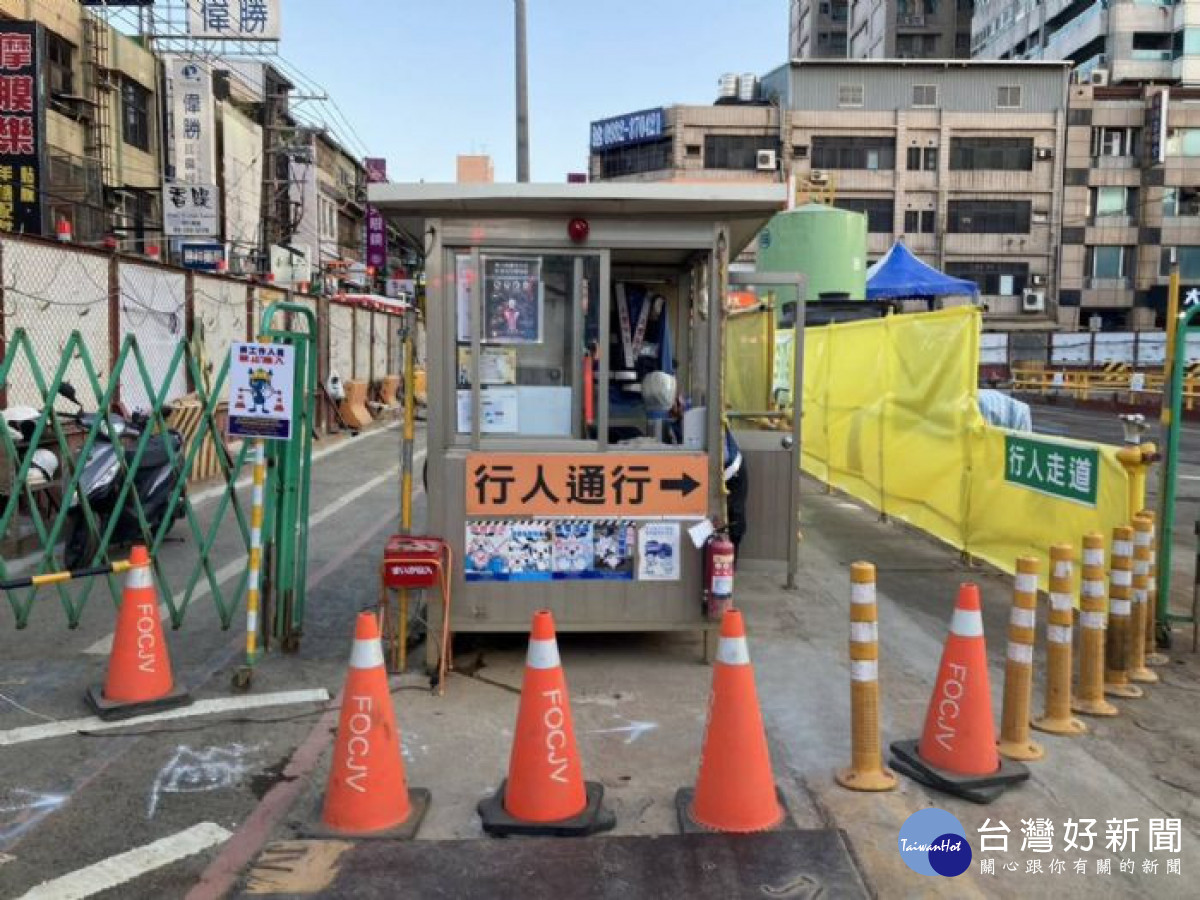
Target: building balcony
pixel 1112 230
pixel 1107 298
pixel 1095 283
pixel 1115 162
pixel 1077 33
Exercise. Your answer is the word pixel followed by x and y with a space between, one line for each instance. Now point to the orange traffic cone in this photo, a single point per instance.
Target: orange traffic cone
pixel 139 667
pixel 735 789
pixel 367 794
pixel 957 750
pixel 545 792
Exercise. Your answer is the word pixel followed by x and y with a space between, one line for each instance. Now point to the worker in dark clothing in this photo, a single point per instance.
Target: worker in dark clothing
pixel 737 485
pixel 733 464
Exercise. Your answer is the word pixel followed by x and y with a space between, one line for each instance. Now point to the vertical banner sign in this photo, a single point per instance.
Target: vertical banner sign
pixel 191 205
pixel 376 229
pixel 191 128
pixel 260 391
pixel 22 121
pixel 237 20
pixel 1156 126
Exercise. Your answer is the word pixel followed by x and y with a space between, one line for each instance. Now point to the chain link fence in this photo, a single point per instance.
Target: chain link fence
pixel 135 336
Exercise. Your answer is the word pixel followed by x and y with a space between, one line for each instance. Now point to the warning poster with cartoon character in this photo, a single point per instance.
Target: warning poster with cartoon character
pixel 260 391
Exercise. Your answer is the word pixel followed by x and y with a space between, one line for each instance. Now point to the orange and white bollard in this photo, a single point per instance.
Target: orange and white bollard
pixel 1093 621
pixel 1057 718
pixel 1120 612
pixel 866 771
pixel 1143 536
pixel 1015 742
pixel 1153 657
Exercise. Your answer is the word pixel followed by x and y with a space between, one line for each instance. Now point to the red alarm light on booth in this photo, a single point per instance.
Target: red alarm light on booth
pixel 578 229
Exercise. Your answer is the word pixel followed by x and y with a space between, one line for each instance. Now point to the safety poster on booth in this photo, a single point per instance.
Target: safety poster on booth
pixel 260 391
pixel 550 551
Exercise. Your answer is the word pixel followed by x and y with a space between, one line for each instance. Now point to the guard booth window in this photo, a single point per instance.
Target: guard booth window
pixel 537 314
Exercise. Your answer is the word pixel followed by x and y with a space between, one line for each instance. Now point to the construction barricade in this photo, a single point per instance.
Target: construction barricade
pixel 891 417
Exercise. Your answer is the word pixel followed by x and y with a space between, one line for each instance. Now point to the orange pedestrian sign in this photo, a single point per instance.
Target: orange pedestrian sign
pixel 592 485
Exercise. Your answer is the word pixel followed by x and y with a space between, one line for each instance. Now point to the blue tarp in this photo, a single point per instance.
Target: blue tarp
pixel 900 274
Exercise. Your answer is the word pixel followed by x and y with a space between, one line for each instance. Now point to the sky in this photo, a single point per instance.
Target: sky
pixel 422 82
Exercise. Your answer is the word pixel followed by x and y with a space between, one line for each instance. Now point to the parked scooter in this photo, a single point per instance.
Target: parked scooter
pixel 102 478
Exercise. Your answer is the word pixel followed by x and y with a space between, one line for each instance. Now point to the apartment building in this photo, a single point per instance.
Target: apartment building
pixel 880 29
pixel 329 193
pixel 1131 199
pixel 1112 41
pixel 910 29
pixel 88 147
pixel 818 29
pixel 962 160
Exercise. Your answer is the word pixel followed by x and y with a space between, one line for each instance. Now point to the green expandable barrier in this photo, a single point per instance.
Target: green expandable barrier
pixel 231 514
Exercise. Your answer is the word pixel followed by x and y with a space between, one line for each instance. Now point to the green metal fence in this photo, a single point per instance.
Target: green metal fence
pixel 210 540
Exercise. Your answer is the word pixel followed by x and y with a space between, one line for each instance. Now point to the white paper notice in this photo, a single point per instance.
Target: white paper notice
pixel 498 407
pixel 658 551
pixel 701 532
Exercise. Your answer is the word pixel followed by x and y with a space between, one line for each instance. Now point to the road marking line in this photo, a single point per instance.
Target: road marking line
pixel 243 482
pixel 213 706
pixel 20 566
pixel 103 646
pixel 124 867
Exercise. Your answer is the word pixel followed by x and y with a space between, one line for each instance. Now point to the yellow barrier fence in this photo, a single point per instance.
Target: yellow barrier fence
pixel 891 417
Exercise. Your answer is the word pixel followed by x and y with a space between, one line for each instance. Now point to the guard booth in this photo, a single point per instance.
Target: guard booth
pixel 563 323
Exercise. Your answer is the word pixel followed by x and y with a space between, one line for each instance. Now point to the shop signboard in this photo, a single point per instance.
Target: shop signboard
pixel 631 128
pixel 260 391
pixel 1048 467
pixel 22 127
pixel 238 20
pixel 592 485
pixel 190 210
pixel 377 255
pixel 202 256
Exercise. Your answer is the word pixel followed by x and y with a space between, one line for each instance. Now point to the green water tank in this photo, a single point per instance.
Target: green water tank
pixel 828 245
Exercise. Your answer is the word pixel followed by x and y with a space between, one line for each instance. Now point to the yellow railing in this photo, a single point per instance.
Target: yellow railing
pixel 1087 384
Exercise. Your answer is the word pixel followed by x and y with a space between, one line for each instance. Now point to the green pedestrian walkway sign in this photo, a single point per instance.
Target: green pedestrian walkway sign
pixel 1048 467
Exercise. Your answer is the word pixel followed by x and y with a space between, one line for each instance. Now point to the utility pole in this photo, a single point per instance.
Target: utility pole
pixel 522 96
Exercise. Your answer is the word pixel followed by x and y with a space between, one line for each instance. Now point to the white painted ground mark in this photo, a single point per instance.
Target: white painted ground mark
pixel 632 731
pixel 198 771
pixel 21 809
pixel 199 708
pixel 124 867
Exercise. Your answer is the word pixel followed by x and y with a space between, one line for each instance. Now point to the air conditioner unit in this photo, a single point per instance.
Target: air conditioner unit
pixel 1037 280
pixel 1033 301
pixel 1044 153
pixel 765 161
pixel 1098 76
pixel 818 176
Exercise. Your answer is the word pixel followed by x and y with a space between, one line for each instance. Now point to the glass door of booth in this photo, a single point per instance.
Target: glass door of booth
pixel 763 371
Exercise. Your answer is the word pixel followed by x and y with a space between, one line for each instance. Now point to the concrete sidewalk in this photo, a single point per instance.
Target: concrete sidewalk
pixel 639 705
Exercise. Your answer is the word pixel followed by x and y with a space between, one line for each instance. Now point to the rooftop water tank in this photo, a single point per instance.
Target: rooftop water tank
pixel 747 88
pixel 828 245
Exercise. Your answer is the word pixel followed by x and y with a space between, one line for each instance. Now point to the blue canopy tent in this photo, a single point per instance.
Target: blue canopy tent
pixel 899 274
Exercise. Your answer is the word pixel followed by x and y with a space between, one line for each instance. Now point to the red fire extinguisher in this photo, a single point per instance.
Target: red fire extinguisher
pixel 718 575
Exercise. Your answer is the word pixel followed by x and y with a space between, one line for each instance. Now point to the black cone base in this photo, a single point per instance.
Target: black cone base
pixel 976 788
pixel 593 819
